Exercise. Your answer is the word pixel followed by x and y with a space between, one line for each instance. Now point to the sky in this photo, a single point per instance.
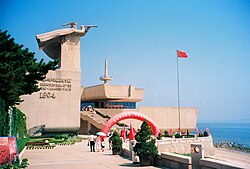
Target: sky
pixel 140 37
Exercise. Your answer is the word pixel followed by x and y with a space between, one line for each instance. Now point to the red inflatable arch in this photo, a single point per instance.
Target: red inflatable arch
pixel 130 115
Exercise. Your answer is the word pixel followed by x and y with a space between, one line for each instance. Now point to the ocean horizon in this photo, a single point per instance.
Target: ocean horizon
pixel 238 133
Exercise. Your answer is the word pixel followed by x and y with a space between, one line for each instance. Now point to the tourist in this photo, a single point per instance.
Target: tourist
pixel 110 142
pixel 102 145
pixel 98 143
pixel 92 140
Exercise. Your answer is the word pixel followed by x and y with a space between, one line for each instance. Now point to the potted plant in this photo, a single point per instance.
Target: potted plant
pixel 116 143
pixel 145 147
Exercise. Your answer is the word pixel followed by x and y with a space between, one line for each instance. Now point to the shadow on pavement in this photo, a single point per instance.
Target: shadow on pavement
pixel 108 155
pixel 130 165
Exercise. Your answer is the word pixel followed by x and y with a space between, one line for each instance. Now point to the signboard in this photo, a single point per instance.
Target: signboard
pixel 8 150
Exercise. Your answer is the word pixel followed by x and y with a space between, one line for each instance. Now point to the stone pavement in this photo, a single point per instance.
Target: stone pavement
pixel 76 156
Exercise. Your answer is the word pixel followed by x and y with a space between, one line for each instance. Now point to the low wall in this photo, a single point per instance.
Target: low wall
pixel 211 163
pixel 169 160
pixel 175 161
pixel 182 145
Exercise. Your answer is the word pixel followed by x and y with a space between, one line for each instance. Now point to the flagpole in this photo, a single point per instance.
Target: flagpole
pixel 178 92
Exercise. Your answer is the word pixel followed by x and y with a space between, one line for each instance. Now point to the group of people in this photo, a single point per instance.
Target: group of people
pixel 96 143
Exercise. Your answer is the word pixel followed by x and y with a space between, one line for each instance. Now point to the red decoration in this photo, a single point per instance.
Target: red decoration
pixel 132 133
pixel 170 132
pixel 130 115
pixel 124 133
pixel 9 151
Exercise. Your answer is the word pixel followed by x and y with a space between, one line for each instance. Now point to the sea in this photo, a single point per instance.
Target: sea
pixel 238 133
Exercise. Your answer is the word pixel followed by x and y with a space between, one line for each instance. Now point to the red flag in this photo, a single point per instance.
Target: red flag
pixel 131 134
pixel 181 54
pixel 170 132
pixel 179 129
pixel 124 133
pixel 134 131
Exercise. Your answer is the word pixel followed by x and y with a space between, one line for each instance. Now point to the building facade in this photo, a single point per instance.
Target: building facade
pixel 60 104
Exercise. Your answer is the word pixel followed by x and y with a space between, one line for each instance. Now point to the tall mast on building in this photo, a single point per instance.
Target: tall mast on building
pixel 106 77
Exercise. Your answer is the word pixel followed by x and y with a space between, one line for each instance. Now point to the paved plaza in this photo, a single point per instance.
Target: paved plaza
pixel 76 156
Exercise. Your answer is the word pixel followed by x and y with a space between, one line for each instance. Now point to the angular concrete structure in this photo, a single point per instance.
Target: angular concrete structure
pixel 110 100
pixel 57 104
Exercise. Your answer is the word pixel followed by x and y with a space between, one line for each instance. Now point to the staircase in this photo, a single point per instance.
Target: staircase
pixel 93 118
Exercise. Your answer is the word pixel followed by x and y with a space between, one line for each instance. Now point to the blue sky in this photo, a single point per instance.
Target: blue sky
pixel 140 39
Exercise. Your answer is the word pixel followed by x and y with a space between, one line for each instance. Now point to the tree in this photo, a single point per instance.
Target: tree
pixel 145 147
pixel 116 143
pixel 19 75
pixel 20 71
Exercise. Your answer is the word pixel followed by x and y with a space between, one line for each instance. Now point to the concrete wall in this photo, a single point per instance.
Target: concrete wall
pixel 175 161
pixel 166 118
pixel 212 163
pixel 182 145
pixel 84 129
pixel 57 104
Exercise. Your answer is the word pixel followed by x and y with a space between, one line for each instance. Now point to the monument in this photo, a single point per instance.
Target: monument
pixel 106 77
pixel 57 105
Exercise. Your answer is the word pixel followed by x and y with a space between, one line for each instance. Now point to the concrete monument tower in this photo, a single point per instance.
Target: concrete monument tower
pixel 106 77
pixel 56 106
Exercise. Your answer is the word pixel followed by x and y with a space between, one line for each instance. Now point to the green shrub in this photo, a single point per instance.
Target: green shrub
pixel 24 163
pixel 178 135
pixel 18 126
pixel 159 137
pixel 206 134
pixel 116 141
pixel 62 136
pixel 145 146
pixel 78 139
pixel 102 115
pixel 4 118
pixel 190 136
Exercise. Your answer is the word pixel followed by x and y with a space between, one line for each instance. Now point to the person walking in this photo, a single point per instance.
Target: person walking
pixel 110 142
pixel 98 143
pixel 92 140
pixel 102 145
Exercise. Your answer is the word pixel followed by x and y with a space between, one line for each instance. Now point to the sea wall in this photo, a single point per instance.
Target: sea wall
pixel 182 145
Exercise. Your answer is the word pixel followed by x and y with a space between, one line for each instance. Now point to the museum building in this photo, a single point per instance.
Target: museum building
pixel 59 105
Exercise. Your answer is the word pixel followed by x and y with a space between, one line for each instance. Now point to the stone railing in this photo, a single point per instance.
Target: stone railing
pixel 171 160
pixel 177 161
pixel 212 163
pixel 182 145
